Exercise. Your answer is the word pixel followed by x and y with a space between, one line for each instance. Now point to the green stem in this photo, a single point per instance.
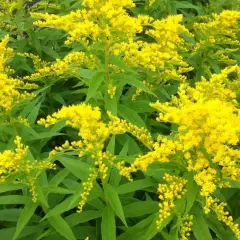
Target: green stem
pixel 12 123
pixel 107 77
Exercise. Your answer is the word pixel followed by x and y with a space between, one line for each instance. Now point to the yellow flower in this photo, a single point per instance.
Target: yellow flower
pixel 109 25
pixel 163 54
pixel 11 90
pixel 15 166
pixel 218 29
pixel 186 227
pixel 87 187
pixel 174 189
pixel 8 7
pixel 69 65
pixel 93 134
pixel 213 204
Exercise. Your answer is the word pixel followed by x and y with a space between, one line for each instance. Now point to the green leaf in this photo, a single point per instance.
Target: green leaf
pixel 130 115
pixel 120 63
pixel 108 226
pixel 200 227
pixel 114 201
pixel 59 177
pixel 140 106
pixel 171 7
pixel 75 166
pixel 8 233
pixel 125 148
pixel 221 232
pixel 214 66
pixel 44 135
pixel 41 196
pixel 30 106
pixel 94 85
pixel 151 231
pixel 10 187
pixel 111 104
pixel 82 232
pixel 25 216
pixel 14 199
pixel 82 217
pixel 45 234
pixel 111 144
pixel 86 73
pixel 138 209
pixel 59 98
pixel 133 81
pixel 59 190
pixel 135 232
pixel 67 204
pixel 187 5
pixel 62 227
pixel 191 191
pixel 49 51
pixel 135 185
pixel 115 177
pixel 13 214
pixel 35 41
pixel 34 113
pixel 162 94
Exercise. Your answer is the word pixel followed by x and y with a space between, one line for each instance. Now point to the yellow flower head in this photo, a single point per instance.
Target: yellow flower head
pixel 17 168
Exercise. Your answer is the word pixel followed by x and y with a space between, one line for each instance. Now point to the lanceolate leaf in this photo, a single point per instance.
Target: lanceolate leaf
pixel 200 227
pixel 130 115
pixel 94 85
pixel 26 214
pixel 108 225
pixel 62 227
pixel 114 201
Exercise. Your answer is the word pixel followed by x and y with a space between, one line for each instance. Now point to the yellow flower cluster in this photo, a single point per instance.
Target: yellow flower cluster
pixel 69 65
pixel 208 132
pixel 151 56
pixel 45 5
pixel 218 208
pixel 186 227
pixel 207 126
pixel 15 165
pixel 106 26
pixel 6 54
pixel 206 178
pixel 222 86
pixel 219 29
pixel 162 152
pixel 102 160
pixel 174 189
pixel 97 20
pixel 93 133
pixel 87 187
pixel 111 90
pixel 151 2
pixel 221 25
pixel 92 130
pixel 161 55
pixel 37 62
pixel 140 91
pixel 8 7
pixel 11 90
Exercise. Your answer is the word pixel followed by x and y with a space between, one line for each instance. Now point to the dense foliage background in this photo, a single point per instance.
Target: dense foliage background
pixel 119 119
